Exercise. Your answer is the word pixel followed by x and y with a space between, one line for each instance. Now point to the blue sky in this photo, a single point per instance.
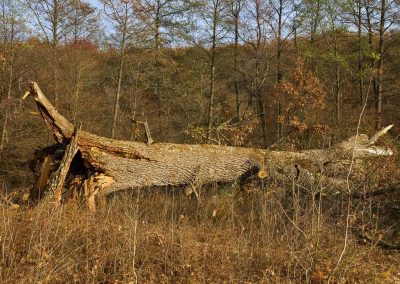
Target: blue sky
pixel 95 3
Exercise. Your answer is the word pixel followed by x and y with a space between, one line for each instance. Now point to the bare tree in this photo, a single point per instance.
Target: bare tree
pixel 235 10
pixel 312 16
pixel 358 18
pixel 53 20
pixel 121 14
pixel 280 19
pixel 333 24
pixel 380 16
pixel 214 16
pixel 256 36
pixel 84 24
pixel 11 33
pixel 164 22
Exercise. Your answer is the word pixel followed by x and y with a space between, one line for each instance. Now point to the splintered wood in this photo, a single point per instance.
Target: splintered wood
pixel 56 186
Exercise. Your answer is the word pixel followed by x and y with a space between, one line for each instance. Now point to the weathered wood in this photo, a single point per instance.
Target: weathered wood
pixel 56 186
pixel 146 129
pixel 119 165
pixel 61 128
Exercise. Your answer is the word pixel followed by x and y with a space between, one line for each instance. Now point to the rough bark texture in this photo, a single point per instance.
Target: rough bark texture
pixel 57 184
pixel 113 165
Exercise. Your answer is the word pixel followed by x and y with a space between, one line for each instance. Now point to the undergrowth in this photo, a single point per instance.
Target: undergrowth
pixel 261 235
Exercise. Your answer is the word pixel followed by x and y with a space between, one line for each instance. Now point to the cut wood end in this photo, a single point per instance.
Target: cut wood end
pixel 262 174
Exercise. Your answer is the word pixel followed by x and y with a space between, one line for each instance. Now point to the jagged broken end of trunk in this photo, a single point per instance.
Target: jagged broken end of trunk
pixel 61 128
pixel 101 165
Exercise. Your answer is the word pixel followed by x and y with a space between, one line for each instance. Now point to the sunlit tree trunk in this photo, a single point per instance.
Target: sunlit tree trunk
pixel 338 91
pixel 77 93
pixel 216 7
pixel 279 63
pixel 260 74
pixel 360 51
pixel 8 34
pixel 4 131
pixel 379 77
pixel 377 60
pixel 236 10
pixel 120 71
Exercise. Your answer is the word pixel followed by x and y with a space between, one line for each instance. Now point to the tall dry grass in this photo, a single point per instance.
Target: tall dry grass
pixel 261 235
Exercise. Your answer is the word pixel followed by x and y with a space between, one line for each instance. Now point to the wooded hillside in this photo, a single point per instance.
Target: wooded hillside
pixel 292 75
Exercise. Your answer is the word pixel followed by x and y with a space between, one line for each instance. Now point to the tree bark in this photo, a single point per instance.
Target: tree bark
pixel 360 53
pixel 120 72
pixel 4 131
pixel 237 7
pixel 112 165
pixel 279 65
pixel 216 7
pixel 379 76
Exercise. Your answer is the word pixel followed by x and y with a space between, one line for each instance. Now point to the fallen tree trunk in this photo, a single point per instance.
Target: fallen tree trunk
pixel 112 165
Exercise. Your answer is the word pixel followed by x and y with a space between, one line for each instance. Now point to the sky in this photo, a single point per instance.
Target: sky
pixel 95 3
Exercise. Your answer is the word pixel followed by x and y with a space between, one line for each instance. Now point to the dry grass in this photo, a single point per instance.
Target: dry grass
pixel 262 236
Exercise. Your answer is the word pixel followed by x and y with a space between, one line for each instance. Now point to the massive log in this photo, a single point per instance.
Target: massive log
pixel 112 165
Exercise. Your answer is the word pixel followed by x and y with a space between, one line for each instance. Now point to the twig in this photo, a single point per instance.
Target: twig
pixel 209 138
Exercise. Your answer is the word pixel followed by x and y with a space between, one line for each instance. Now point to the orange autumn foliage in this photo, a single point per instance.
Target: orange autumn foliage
pixel 303 97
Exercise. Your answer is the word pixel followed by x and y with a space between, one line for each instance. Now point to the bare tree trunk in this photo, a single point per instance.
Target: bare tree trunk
pixel 236 9
pixel 261 112
pixel 4 131
pixel 54 46
pixel 316 15
pixel 3 76
pixel 338 91
pixel 55 75
pixel 117 94
pixel 258 89
pixel 77 91
pixel 212 69
pixel 338 95
pixel 211 103
pixel 279 63
pixel 157 53
pixel 379 77
pixel 236 55
pixel 120 71
pixel 377 62
pixel 360 50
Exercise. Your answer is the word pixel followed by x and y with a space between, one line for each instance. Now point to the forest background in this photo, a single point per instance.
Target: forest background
pixel 248 73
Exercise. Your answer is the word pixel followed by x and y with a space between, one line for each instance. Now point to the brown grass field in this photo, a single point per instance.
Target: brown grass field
pixel 261 235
